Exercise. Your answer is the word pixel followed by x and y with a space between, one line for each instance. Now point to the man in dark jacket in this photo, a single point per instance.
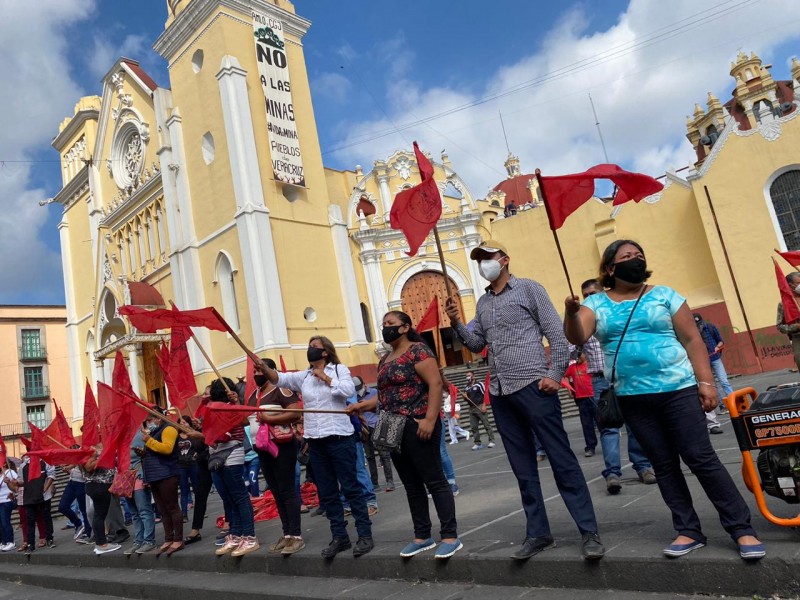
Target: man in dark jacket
pixel 34 493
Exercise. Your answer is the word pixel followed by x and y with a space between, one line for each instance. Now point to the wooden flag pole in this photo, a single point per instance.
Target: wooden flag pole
pixel 52 439
pixel 733 279
pixel 441 261
pixel 555 235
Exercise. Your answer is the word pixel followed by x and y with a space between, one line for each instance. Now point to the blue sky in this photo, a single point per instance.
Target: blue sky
pixel 374 66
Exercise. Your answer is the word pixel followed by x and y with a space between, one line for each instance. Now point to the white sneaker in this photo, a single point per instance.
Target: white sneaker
pixel 467 436
pixel 490 445
pixel 107 548
pixel 79 532
pixel 7 547
pixel 453 442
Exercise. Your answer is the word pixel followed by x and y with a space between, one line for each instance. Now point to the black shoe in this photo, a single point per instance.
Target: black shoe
pixel 337 545
pixel 320 512
pixel 592 547
pixel 532 547
pixel 363 545
pixel 122 536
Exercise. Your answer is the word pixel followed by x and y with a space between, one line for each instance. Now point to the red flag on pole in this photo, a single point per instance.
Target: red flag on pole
pixel 120 418
pixel 250 386
pixel 791 312
pixel 60 456
pixel 26 441
pixel 144 294
pixel 149 321
pixel 220 417
pixel 453 398
pixel 65 435
pixel 177 368
pixel 792 257
pixel 430 319
pixel 487 397
pixel 91 419
pixel 416 210
pixel 3 452
pixel 564 194
pixel 283 364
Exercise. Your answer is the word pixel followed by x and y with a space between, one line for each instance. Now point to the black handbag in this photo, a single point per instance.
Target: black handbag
pixel 609 412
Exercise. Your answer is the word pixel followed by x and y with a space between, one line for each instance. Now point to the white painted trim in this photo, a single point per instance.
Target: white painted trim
pixel 347 275
pixel 771 208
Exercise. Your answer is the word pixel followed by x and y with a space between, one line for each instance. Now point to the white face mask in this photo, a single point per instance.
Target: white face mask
pixel 797 289
pixel 490 269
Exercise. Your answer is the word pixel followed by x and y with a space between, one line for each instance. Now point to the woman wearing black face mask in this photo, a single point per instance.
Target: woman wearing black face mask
pixel 409 384
pixel 664 382
pixel 279 470
pixel 327 384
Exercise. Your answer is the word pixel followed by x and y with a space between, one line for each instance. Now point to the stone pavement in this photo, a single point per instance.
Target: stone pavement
pixel 635 525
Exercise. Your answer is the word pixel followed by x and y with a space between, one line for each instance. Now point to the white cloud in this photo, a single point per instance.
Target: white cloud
pixel 38 94
pixel 105 52
pixel 332 86
pixel 645 73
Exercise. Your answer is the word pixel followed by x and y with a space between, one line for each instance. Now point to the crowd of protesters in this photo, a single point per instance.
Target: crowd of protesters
pixel 663 362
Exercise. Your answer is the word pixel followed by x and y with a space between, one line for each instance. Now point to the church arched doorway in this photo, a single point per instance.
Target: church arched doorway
pixel 416 297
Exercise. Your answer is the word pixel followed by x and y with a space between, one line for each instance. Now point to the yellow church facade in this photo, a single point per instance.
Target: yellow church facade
pixel 213 191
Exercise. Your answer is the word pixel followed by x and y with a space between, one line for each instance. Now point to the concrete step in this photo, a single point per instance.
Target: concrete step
pixel 169 584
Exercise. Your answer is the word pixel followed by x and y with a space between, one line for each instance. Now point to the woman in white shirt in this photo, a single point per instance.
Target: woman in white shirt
pixel 327 384
pixel 8 487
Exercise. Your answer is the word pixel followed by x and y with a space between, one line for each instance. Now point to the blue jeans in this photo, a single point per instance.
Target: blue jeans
pixel 518 416
pixel 610 441
pixel 123 502
pixel 251 469
pixel 188 478
pixel 363 478
pixel 6 530
pixel 721 379
pixel 332 458
pixel 673 428
pixel 144 521
pixel 447 464
pixel 74 490
pixel 229 482
pixel 297 480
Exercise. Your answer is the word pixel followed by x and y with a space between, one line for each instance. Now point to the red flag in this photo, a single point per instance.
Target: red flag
pixel 25 442
pixel 430 319
pixel 41 439
pixel 250 386
pixel 144 294
pixel 34 468
pixel 61 429
pixel 120 378
pixel 220 417
pixel 453 398
pixel 91 419
pixel 59 456
pixel 564 194
pixel 791 312
pixel 793 257
pixel 283 364
pixel 416 210
pixel 177 368
pixel 120 419
pixel 487 397
pixel 3 452
pixel 150 321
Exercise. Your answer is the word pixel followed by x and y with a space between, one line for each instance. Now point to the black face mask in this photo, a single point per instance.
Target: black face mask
pixel 392 333
pixel 314 354
pixel 632 271
pixel 260 380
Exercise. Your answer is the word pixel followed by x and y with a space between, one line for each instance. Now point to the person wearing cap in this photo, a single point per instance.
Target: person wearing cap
pixel 511 319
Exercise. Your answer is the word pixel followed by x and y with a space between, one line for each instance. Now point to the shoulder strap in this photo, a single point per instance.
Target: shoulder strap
pixel 624 331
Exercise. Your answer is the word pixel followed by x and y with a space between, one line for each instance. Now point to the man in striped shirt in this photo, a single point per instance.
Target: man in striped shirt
pixel 512 317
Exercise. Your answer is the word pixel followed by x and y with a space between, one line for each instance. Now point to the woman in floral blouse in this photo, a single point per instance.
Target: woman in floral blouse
pixel 409 384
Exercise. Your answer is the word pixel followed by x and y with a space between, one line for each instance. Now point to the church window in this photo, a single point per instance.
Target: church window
pixel 207 148
pixel 785 195
pixel 451 191
pixel 197 61
pixel 365 320
pixel 227 288
pixel 162 238
pixel 151 236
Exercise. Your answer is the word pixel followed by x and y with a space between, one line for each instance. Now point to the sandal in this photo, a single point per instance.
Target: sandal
pixel 173 549
pixel 42 543
pixel 191 539
pixel 164 547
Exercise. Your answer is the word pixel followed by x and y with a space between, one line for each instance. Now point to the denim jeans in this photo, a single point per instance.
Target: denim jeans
pixel 363 478
pixel 721 379
pixel 74 490
pixel 518 417
pixel 672 428
pixel 588 413
pixel 333 458
pixel 6 530
pixel 251 469
pixel 188 484
pixel 144 521
pixel 229 482
pixel 610 441
pixel 447 464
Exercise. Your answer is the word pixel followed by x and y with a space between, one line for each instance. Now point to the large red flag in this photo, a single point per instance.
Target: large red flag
pixel 791 312
pixel 416 210
pixel 453 398
pixel 120 418
pixel 250 386
pixel 430 319
pixel 3 452
pixel 487 397
pixel 61 429
pixel 144 294
pixel 564 194
pixel 149 321
pixel 792 257
pixel 60 456
pixel 26 441
pixel 220 417
pixel 177 368
pixel 90 434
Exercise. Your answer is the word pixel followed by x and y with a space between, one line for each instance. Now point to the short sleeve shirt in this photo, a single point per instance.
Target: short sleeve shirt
pixel 400 389
pixel 651 358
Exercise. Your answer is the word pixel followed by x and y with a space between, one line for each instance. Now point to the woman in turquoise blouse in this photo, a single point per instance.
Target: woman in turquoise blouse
pixel 665 385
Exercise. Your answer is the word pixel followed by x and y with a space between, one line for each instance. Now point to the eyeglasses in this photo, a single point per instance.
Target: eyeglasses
pixel 587 294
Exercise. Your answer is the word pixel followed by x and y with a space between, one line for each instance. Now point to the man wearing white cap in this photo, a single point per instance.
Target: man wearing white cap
pixel 511 319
